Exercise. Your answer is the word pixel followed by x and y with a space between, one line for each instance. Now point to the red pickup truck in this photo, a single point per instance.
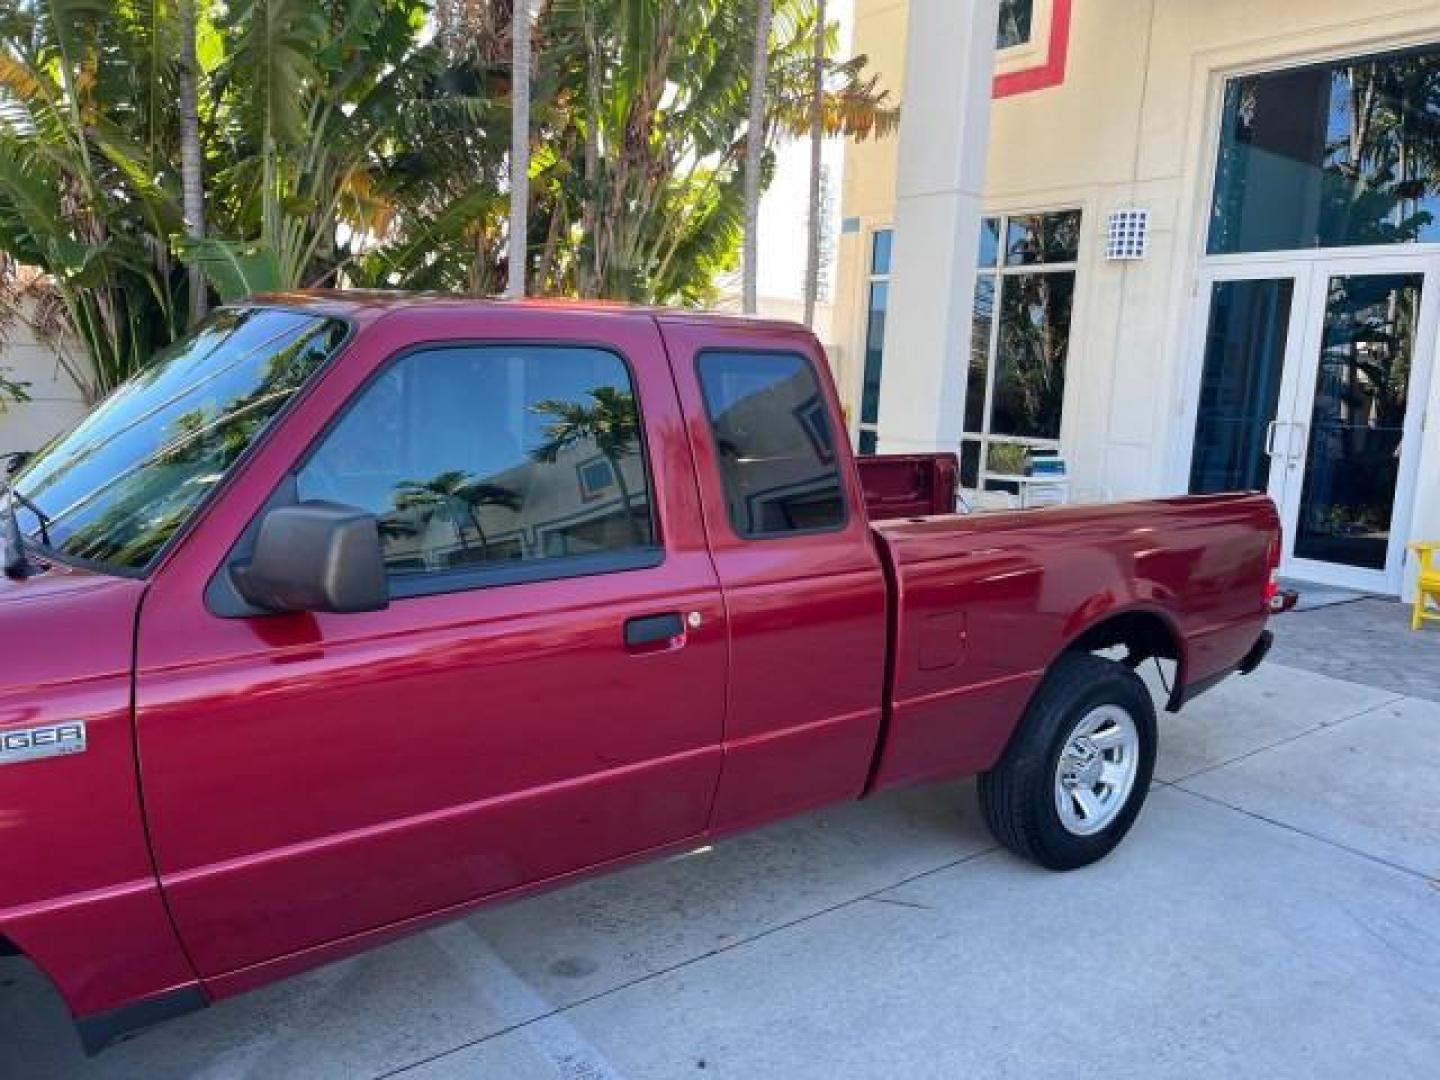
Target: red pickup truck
pixel 354 611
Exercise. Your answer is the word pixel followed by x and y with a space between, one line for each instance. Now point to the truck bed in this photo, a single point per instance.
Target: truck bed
pixel 981 603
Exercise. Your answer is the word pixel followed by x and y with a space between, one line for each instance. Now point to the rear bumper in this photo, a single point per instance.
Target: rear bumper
pixel 1256 656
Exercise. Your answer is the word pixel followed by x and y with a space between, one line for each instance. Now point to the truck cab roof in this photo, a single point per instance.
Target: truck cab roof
pixel 371 304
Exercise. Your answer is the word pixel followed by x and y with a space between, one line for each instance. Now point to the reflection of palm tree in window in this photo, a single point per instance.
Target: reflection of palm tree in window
pixel 1384 150
pixel 1035 335
pixel 1374 342
pixel 610 423
pixel 154 494
pixel 1014 23
pixel 456 491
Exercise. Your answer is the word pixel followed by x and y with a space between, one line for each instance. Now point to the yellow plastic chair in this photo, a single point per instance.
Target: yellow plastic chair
pixel 1429 554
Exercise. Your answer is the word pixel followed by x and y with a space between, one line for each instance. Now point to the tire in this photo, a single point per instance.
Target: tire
pixel 1036 804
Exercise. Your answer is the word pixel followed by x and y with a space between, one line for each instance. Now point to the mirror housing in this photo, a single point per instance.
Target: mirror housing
pixel 315 556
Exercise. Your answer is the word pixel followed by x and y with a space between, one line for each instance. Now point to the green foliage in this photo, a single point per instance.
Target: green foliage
pixel 234 269
pixel 86 189
pixel 640 111
pixel 12 390
pixel 366 142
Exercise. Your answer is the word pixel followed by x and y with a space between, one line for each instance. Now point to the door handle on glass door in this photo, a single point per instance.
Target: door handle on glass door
pixel 1270 430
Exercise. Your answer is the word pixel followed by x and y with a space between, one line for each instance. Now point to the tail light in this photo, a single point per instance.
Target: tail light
pixel 1272 563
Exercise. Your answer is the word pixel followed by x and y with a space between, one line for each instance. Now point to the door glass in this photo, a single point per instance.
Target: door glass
pixel 772 437
pixel 491 457
pixel 1352 460
pixel 1240 387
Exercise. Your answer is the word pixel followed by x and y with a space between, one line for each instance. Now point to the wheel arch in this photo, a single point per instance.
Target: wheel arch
pixel 1145 633
pixel 1144 630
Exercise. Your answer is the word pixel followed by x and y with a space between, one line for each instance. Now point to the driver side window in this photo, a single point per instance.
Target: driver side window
pixel 510 462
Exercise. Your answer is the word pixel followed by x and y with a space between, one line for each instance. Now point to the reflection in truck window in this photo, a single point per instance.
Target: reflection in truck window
pixel 490 455
pixel 773 441
pixel 121 484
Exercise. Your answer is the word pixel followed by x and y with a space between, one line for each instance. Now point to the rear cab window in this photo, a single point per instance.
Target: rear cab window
pixel 493 464
pixel 775 449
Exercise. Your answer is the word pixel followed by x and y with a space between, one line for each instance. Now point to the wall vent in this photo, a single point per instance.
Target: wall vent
pixel 1127 235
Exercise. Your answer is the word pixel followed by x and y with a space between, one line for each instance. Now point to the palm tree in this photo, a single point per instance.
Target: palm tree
pixel 611 423
pixel 191 179
pixel 754 153
pixel 817 110
pixel 519 145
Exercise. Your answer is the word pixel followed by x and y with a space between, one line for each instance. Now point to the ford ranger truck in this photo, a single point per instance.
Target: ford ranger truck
pixel 353 612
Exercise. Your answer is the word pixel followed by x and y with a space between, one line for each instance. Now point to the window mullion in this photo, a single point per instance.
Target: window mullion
pixel 992 360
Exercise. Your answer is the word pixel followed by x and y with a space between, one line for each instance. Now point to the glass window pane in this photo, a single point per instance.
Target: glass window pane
pixel 1030 363
pixel 869 441
pixel 970 463
pixel 1042 238
pixel 1016 17
pixel 123 482
pixel 981 321
pixel 880 252
pixel 989 241
pixel 1330 156
pixel 773 440
pixel 1010 487
pixel 1240 387
pixel 492 455
pixel 1352 462
pixel 1007 459
pixel 874 352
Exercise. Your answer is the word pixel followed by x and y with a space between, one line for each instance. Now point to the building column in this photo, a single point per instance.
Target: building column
pixel 944 129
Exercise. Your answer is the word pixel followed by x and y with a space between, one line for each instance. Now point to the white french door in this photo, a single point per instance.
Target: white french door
pixel 1313 378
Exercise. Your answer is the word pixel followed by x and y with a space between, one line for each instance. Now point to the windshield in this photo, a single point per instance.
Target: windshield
pixel 116 488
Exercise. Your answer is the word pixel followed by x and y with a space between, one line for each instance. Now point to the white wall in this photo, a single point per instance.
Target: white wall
pixel 55 404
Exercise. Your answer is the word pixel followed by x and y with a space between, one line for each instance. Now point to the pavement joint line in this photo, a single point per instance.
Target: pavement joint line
pixel 1319 726
pixel 519 1002
pixel 687 962
pixel 1409 871
pixel 1395 699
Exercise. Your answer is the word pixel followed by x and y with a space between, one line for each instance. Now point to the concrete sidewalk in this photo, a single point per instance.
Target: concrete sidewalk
pixel 1274 913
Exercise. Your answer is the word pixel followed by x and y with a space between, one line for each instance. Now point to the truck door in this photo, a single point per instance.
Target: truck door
pixel 543 694
pixel 802 580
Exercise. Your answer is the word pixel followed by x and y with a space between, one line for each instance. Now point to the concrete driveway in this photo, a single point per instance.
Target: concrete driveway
pixel 1275 912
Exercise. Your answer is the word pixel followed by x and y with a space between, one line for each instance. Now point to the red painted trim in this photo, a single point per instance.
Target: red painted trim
pixel 1052 71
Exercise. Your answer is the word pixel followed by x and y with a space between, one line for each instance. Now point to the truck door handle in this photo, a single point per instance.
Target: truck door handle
pixel 653 630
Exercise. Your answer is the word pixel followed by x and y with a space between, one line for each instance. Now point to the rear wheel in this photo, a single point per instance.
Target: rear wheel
pixel 1076 773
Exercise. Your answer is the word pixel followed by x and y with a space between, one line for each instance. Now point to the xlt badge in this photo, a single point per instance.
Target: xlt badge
pixel 51 740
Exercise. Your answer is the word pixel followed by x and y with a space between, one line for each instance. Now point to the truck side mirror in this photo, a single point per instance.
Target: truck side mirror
pixel 315 556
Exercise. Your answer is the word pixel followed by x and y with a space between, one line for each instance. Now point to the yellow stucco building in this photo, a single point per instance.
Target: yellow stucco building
pixel 1193 245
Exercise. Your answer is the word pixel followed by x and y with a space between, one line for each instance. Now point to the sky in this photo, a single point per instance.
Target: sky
pixel 784 206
